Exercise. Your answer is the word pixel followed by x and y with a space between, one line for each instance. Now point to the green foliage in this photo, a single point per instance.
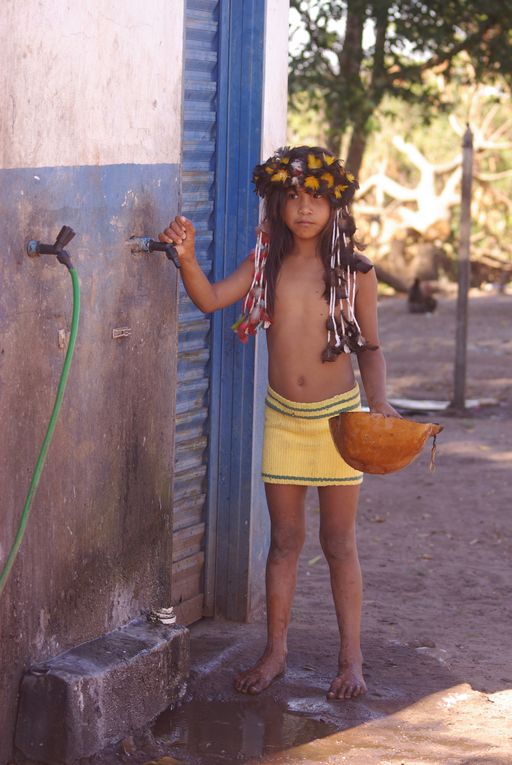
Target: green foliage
pixel 306 122
pixel 346 57
pixel 489 110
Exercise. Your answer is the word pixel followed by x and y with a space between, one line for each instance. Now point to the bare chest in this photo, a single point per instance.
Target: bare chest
pixel 300 291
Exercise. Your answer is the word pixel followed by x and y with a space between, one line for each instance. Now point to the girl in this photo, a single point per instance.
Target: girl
pixel 317 298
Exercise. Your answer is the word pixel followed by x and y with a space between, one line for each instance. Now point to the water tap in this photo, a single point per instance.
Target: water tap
pixel 65 235
pixel 146 244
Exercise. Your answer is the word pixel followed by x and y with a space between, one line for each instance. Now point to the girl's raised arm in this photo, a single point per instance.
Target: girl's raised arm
pixel 206 296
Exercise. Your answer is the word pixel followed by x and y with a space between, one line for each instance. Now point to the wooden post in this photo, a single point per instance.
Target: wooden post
pixel 459 387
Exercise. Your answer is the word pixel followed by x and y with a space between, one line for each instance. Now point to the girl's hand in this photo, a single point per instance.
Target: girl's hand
pixel 386 409
pixel 181 234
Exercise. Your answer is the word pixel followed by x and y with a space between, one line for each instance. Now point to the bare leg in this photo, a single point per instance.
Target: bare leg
pixel 338 508
pixel 286 508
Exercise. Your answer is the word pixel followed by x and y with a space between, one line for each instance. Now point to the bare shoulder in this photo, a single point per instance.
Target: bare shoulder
pixel 368 264
pixel 247 265
pixel 366 279
pixel 248 260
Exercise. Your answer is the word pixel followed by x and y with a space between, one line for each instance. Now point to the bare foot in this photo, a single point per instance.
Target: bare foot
pixel 263 673
pixel 348 683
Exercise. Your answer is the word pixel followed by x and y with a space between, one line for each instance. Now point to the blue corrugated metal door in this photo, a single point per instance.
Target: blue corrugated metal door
pixel 198 188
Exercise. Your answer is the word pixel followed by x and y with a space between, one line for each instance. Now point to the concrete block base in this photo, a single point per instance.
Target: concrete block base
pixel 95 694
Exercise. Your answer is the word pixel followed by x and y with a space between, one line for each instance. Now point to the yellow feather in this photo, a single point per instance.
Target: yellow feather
pixel 338 190
pixel 312 183
pixel 281 175
pixel 313 162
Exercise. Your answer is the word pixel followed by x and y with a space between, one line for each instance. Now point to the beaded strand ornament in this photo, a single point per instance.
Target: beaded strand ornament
pixel 317 172
pixel 254 308
pixel 343 330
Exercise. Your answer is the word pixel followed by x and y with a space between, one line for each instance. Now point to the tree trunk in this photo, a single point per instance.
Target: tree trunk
pixel 352 52
pixel 348 82
pixel 372 96
pixel 356 149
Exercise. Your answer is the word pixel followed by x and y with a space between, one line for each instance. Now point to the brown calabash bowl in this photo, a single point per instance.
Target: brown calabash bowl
pixel 374 443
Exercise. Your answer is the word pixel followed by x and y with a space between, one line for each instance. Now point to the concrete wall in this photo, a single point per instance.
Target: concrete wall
pixel 275 102
pixel 90 137
pixel 91 83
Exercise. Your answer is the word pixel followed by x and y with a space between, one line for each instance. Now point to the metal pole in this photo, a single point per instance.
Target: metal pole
pixel 459 387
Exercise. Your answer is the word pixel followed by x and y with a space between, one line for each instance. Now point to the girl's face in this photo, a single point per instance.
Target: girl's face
pixel 305 215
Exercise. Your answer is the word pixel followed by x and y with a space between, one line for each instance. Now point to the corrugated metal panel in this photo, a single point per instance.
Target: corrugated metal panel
pixel 198 178
pixel 235 541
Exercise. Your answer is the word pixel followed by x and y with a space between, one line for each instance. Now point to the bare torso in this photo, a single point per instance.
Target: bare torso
pixel 298 336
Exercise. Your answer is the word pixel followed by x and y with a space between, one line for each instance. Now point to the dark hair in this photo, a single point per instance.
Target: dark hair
pixel 281 243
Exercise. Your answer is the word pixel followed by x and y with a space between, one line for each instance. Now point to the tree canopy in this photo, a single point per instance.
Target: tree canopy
pixel 348 55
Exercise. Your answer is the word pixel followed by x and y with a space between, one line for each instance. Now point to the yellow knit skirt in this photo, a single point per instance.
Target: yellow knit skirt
pixel 297 444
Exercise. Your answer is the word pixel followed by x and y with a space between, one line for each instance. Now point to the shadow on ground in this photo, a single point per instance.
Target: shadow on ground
pixel 435 552
pixel 432 717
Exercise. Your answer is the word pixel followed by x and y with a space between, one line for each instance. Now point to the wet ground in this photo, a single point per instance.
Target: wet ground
pixel 436 553
pixel 220 731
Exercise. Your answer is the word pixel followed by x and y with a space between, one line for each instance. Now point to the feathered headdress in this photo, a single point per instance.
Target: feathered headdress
pixel 317 171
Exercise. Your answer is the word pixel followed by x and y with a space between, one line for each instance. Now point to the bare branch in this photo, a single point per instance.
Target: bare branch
pixel 493 176
pixel 447 167
pixel 450 194
pixel 480 142
pixel 412 153
pixel 389 186
pixel 455 125
pixel 441 60
pixel 503 199
pixel 485 145
pixel 504 128
pixel 487 120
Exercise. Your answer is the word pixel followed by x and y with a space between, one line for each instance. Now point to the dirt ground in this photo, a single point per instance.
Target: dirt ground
pixel 436 551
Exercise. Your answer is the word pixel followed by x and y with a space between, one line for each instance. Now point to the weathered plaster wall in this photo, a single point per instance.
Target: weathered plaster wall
pixel 92 94
pixel 90 83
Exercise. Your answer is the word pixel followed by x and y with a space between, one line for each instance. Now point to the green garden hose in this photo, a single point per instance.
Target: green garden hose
pixel 49 433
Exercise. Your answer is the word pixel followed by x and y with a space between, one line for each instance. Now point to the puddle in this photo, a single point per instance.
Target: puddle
pixel 208 732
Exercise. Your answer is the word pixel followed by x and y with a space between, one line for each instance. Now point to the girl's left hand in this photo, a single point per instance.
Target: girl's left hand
pixel 386 409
